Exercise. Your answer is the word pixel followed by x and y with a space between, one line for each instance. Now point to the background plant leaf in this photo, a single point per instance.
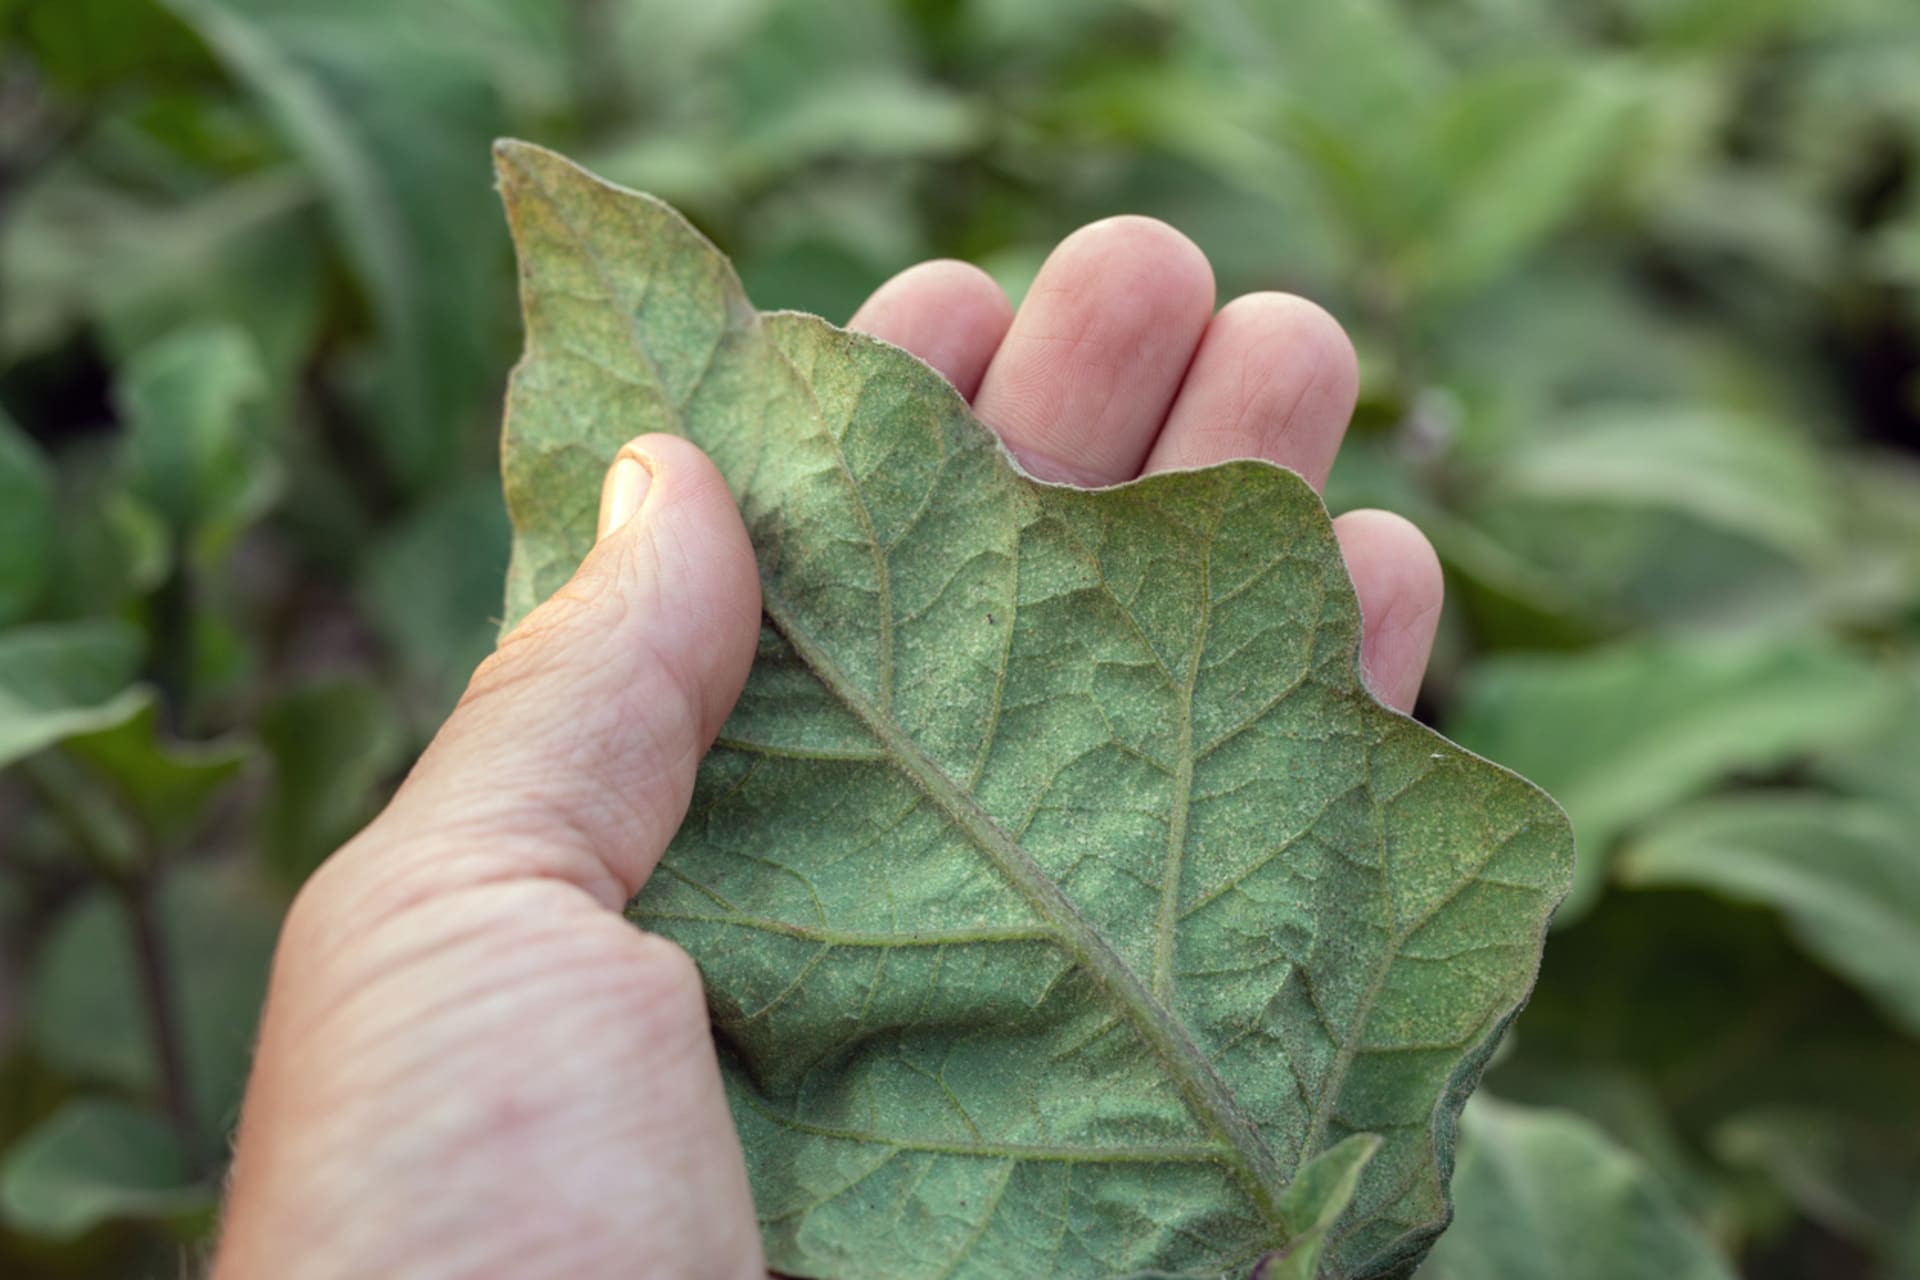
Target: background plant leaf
pixel 1659 722
pixel 1506 158
pixel 1055 840
pixel 1739 473
pixel 1632 283
pixel 331 742
pixel 26 521
pixel 162 784
pixel 1880 766
pixel 59 679
pixel 1844 873
pixel 1543 1193
pixel 432 588
pixel 96 1161
pixel 1313 1205
pixel 196 448
pixel 386 124
pixel 80 248
pixel 1852 1174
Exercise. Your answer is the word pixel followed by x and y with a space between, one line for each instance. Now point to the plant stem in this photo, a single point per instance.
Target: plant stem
pixel 163 1015
pixel 173 642
pixel 101 835
pixel 126 863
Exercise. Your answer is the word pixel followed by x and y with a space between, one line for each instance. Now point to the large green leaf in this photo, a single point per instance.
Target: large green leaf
pixel 59 679
pixel 1845 874
pixel 1660 721
pixel 94 1161
pixel 1059 888
pixel 1543 1193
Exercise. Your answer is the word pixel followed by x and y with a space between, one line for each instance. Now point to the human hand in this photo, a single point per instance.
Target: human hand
pixel 471 1065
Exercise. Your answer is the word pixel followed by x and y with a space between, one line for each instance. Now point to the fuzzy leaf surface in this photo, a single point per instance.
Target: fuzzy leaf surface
pixel 1060 890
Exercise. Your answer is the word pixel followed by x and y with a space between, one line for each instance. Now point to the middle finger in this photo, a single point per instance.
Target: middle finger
pixel 1084 379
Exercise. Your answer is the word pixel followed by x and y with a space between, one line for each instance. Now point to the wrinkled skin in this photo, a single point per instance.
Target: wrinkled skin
pixel 471 1065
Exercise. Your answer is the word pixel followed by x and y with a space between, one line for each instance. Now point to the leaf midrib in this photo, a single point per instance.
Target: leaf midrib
pixel 1204 1092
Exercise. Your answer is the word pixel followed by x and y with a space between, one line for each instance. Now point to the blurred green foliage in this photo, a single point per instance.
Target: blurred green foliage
pixel 1636 285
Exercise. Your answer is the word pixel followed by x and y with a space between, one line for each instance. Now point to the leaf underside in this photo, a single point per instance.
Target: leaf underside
pixel 1059 889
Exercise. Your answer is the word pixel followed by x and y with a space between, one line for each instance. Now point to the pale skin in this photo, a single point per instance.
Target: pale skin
pixel 471 1065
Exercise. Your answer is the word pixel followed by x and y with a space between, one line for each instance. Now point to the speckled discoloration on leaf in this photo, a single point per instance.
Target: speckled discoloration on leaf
pixel 1059 888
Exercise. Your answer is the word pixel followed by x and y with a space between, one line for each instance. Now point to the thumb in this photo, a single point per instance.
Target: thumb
pixel 453 1027
pixel 572 754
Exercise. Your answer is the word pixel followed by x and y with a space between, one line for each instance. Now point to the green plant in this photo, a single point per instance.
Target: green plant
pixel 1637 291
